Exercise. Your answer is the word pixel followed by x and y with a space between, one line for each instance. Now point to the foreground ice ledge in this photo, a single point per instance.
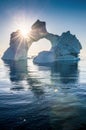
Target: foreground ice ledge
pixel 64 47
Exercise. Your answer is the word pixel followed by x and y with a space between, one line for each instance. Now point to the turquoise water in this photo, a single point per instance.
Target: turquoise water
pixel 36 97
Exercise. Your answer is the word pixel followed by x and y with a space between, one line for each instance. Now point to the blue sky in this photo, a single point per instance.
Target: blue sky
pixel 60 16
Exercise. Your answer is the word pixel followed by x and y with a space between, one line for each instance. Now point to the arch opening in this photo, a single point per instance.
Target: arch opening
pixel 37 47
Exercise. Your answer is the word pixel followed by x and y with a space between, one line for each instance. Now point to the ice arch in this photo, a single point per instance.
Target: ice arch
pixel 64 47
pixel 19 46
pixel 37 47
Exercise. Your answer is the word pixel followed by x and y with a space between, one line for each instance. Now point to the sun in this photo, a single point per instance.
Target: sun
pixel 24 32
pixel 24 29
pixel 22 23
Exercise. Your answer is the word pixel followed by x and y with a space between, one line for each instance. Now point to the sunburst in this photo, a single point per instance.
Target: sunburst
pixel 24 32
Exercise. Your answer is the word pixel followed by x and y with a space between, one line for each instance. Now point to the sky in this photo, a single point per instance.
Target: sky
pixel 60 16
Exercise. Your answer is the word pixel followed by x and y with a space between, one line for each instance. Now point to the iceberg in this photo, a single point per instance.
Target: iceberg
pixel 19 45
pixel 64 47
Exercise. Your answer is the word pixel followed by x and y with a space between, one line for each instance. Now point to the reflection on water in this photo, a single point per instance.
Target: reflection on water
pixel 68 71
pixel 18 70
pixel 21 77
pixel 64 72
pixel 60 73
pixel 42 97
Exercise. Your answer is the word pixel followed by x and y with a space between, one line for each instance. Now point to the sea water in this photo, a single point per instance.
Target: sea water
pixel 45 97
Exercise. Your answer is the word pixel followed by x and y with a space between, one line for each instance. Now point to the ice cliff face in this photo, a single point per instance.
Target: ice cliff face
pixel 66 44
pixel 20 45
pixel 64 47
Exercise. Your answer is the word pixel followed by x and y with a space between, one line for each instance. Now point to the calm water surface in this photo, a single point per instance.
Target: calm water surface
pixel 36 97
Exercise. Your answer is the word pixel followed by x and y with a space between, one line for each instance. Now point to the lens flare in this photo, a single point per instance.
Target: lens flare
pixel 24 32
pixel 24 29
